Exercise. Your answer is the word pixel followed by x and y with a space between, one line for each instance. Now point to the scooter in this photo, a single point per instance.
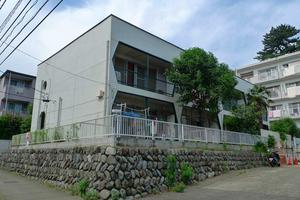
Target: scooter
pixel 274 159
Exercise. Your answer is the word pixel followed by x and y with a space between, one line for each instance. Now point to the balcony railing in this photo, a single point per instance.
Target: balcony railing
pixel 137 80
pixel 122 126
pixel 291 112
pixel 293 92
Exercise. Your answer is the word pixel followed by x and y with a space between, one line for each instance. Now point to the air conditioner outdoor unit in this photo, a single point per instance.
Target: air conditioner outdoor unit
pixel 100 94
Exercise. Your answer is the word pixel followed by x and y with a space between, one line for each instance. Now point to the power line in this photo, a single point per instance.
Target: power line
pixel 9 16
pixel 25 27
pixel 17 19
pixel 2 4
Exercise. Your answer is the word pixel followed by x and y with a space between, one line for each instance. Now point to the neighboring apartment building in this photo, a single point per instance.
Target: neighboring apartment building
pixel 281 76
pixel 16 93
pixel 115 67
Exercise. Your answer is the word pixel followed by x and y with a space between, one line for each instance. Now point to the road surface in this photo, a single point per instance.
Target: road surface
pixel 15 187
pixel 254 184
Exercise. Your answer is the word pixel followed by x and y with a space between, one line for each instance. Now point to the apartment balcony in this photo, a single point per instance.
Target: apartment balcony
pixel 291 70
pixel 277 114
pixel 261 78
pixel 292 92
pixel 20 93
pixel 134 79
pixel 14 113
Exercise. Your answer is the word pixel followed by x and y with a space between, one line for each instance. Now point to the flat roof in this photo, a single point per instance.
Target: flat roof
pixel 17 73
pixel 271 60
pixel 111 15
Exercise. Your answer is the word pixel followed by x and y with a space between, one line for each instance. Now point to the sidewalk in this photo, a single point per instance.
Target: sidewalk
pixel 14 187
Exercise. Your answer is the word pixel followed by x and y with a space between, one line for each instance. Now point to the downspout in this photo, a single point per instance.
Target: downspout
pixel 107 79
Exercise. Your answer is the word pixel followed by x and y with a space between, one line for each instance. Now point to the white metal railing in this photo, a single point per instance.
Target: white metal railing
pixel 122 126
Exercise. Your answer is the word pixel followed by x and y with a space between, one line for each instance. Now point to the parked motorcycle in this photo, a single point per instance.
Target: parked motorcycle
pixel 274 159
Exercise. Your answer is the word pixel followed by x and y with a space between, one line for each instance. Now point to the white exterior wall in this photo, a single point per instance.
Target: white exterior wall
pixel 87 57
pixel 290 76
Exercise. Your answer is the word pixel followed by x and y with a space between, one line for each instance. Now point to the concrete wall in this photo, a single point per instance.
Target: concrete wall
pixel 4 145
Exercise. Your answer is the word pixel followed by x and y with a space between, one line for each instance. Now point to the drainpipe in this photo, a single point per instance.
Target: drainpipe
pixel 107 79
pixel 7 91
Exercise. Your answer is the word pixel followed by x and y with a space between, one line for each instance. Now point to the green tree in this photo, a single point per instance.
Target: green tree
pixel 245 119
pixel 279 41
pixel 285 126
pixel 199 78
pixel 26 122
pixel 259 98
pixel 271 141
pixel 9 126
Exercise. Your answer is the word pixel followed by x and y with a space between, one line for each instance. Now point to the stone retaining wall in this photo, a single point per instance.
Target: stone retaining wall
pixel 133 172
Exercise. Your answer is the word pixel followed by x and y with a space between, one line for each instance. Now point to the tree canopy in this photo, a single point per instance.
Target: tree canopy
pixel 279 41
pixel 245 119
pixel 285 126
pixel 199 78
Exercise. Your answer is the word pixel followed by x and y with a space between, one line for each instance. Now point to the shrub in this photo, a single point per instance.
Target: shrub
pixel 171 170
pixel 186 173
pixel 91 194
pixel 75 189
pixel 271 141
pixel 83 185
pixel 260 147
pixel 179 187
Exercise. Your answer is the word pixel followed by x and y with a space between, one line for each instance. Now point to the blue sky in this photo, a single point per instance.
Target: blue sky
pixel 231 29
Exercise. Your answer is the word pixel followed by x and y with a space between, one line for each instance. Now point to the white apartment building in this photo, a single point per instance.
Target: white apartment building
pixel 281 76
pixel 113 66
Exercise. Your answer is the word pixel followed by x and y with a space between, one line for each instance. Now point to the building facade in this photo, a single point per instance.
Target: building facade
pixel 16 93
pixel 115 67
pixel 281 76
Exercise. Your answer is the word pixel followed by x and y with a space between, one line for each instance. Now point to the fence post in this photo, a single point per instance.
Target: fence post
pixel 182 132
pixel 152 129
pixel 118 126
pixel 205 131
pixel 240 137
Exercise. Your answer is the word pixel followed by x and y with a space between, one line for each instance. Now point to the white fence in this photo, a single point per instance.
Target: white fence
pixel 122 126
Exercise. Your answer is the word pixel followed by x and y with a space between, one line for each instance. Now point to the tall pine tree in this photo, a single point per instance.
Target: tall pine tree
pixel 280 40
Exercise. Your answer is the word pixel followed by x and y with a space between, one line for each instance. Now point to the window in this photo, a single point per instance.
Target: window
pixel 276 107
pixel 274 91
pixel 294 109
pixel 268 74
pixel 288 85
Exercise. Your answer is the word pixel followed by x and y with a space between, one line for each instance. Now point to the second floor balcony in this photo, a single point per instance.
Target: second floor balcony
pixel 141 81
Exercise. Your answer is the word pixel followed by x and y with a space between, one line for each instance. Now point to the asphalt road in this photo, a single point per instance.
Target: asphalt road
pixel 254 184
pixel 15 187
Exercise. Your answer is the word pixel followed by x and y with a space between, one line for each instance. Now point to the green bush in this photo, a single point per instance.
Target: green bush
pixel 91 194
pixel 179 187
pixel 83 185
pixel 171 170
pixel 271 141
pixel 186 173
pixel 75 189
pixel 260 147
